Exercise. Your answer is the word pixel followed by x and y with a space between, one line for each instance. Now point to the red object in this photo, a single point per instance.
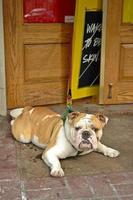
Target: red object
pixel 42 11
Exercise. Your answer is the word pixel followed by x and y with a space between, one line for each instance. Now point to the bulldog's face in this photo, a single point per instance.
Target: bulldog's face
pixel 83 130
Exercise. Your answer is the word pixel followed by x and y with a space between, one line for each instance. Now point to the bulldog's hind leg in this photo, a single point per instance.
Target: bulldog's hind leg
pixel 53 162
pixel 107 151
pixel 21 128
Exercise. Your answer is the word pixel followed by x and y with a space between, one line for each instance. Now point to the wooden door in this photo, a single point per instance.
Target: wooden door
pixel 37 59
pixel 117 75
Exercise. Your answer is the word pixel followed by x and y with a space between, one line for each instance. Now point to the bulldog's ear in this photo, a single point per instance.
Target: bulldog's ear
pixel 73 115
pixel 27 108
pixel 102 118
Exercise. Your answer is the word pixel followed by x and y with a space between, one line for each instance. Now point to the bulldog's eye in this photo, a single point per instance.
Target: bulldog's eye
pixel 77 128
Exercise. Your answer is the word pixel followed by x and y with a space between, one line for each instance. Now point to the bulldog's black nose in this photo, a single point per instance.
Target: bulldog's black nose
pixel 85 135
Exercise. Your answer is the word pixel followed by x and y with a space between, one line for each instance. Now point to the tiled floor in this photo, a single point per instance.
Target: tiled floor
pixel 92 177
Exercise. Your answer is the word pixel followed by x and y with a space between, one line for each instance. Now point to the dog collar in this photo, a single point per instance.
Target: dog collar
pixel 78 152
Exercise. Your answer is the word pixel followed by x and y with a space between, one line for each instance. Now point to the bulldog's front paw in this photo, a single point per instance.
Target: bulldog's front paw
pixel 57 172
pixel 111 152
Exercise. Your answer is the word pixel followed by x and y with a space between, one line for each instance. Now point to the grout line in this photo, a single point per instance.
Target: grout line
pixel 6 180
pixel 68 187
pixel 23 192
pixel 114 189
pixel 90 187
pixel 127 183
pixel 39 189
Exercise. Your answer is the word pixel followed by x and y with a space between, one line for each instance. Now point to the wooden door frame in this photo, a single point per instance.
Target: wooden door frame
pixel 24 40
pixel 103 45
pixel 3 105
pixel 116 84
pixel 3 77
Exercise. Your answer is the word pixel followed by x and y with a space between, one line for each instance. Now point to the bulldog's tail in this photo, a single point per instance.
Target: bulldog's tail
pixel 16 112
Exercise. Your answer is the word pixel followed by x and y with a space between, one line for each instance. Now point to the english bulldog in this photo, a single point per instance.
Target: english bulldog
pixel 80 134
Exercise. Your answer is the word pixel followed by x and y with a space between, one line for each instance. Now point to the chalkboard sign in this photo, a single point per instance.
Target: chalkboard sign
pixel 90 56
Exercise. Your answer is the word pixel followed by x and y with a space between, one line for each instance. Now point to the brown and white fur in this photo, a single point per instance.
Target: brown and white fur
pixel 79 135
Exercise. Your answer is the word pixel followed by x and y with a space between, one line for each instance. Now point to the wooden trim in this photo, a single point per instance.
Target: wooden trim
pixel 112 50
pixel 40 34
pixel 126 34
pixel 103 45
pixel 3 108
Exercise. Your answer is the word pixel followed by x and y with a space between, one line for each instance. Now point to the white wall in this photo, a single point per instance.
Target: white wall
pixel 3 109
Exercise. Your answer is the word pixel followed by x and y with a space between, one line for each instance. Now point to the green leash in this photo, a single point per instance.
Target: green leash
pixel 69 108
pixel 65 114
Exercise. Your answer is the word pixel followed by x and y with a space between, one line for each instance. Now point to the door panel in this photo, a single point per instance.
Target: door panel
pixel 118 71
pixel 126 62
pixel 37 59
pixel 42 62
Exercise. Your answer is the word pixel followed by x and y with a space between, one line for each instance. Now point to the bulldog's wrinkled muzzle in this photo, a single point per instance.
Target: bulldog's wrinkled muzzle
pixel 88 141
